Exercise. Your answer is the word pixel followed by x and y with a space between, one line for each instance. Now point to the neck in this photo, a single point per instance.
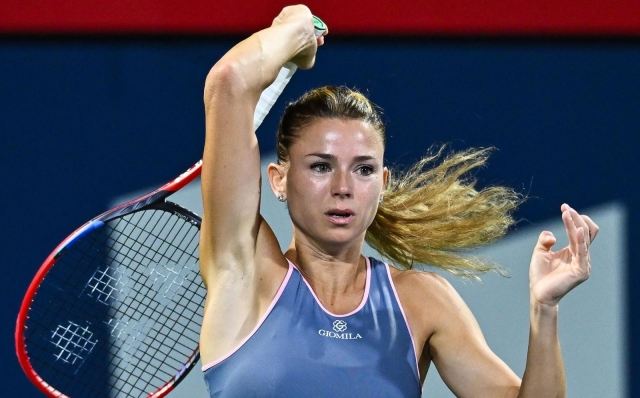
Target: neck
pixel 338 279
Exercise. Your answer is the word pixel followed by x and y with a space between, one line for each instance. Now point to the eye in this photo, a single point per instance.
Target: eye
pixel 365 170
pixel 321 167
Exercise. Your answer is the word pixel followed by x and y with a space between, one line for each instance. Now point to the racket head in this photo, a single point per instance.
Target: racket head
pixel 116 309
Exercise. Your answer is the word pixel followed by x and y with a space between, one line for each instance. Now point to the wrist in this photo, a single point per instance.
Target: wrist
pixel 543 316
pixel 286 41
pixel 543 308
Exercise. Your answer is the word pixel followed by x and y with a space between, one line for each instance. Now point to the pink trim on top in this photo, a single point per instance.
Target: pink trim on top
pixel 395 293
pixel 365 296
pixel 273 303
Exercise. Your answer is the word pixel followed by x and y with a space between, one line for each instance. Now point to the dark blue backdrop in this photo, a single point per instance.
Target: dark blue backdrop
pixel 85 120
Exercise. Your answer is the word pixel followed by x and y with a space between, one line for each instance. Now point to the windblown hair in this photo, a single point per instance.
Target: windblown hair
pixel 432 214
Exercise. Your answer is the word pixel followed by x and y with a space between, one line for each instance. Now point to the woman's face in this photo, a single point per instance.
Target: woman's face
pixel 334 181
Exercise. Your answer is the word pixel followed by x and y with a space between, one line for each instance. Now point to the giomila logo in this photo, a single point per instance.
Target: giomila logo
pixel 339 326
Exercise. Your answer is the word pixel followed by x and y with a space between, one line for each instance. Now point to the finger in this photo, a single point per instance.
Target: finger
pixel 580 222
pixel 546 240
pixel 578 241
pixel 572 231
pixel 577 220
pixel 583 252
pixel 593 227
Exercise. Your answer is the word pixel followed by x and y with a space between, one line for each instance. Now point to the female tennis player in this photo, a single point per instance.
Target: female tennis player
pixel 321 319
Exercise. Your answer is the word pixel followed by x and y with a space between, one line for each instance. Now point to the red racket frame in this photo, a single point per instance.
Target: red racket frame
pixel 153 197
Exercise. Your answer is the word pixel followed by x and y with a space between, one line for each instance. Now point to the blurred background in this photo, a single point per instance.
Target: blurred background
pixel 99 100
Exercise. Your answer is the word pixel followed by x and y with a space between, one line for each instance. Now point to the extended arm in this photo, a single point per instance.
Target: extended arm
pixel 460 352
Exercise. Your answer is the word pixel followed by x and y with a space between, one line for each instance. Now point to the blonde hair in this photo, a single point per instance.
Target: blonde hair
pixel 432 214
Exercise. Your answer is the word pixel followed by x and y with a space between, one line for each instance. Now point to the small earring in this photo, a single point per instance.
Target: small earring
pixel 281 198
pixel 380 201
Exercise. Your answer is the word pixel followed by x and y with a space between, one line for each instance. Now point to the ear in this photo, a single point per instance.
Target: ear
pixel 385 178
pixel 277 174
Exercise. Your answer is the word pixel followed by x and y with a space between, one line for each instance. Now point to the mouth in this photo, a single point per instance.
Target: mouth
pixel 340 216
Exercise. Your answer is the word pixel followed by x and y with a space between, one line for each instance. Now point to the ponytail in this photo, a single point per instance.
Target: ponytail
pixel 433 213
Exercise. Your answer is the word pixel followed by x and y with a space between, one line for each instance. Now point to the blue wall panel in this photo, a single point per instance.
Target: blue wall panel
pixel 85 120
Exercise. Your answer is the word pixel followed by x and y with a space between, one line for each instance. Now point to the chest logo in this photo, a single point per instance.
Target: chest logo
pixel 338 332
pixel 339 326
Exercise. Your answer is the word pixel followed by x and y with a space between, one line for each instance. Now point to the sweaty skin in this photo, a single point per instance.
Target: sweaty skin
pixel 333 183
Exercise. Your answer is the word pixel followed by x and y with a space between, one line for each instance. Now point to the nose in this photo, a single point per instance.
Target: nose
pixel 342 185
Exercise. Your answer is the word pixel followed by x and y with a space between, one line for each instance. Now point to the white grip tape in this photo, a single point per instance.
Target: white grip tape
pixel 270 95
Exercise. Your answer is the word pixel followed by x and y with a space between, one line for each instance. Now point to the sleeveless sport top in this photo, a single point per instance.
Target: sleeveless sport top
pixel 299 349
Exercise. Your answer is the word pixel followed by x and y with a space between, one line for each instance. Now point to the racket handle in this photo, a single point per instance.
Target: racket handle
pixel 270 95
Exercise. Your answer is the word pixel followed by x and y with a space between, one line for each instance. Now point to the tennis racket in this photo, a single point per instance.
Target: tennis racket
pixel 116 308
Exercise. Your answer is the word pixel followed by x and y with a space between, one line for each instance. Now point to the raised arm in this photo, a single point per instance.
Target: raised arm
pixel 231 167
pixel 551 276
pixel 460 352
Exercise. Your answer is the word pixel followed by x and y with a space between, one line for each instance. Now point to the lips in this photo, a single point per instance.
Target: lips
pixel 340 216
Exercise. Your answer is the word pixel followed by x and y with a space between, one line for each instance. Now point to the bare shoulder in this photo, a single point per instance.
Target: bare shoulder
pixel 427 298
pixel 447 335
pixel 422 285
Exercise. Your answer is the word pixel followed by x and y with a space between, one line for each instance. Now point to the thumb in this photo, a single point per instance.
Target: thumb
pixel 546 240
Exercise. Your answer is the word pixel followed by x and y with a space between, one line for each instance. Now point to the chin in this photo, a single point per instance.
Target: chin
pixel 330 236
pixel 342 238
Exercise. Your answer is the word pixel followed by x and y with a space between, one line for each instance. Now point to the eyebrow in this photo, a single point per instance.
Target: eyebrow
pixel 328 156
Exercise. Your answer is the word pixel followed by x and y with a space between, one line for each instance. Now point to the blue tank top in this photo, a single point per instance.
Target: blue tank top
pixel 299 349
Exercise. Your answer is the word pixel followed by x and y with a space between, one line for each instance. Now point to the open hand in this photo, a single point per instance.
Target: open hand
pixel 554 274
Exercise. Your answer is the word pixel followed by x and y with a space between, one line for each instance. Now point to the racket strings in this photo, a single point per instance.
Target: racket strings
pixel 143 268
pixel 144 364
pixel 50 307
